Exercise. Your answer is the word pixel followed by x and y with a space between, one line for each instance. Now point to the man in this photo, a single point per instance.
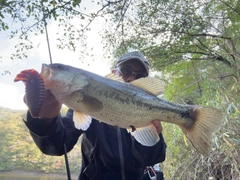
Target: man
pixel 108 152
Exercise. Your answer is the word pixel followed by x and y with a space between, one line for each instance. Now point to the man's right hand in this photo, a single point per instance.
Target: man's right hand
pixel 51 106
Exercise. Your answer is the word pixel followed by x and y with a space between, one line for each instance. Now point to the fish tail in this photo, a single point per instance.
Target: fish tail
pixel 206 121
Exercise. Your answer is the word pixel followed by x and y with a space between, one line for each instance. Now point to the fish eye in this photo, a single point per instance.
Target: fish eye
pixel 60 67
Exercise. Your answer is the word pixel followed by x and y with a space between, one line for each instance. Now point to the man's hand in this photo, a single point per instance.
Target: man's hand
pixel 51 106
pixel 157 125
pixel 40 102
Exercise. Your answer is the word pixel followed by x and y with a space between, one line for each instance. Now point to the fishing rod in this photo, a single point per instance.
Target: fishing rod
pixel 46 32
pixel 50 56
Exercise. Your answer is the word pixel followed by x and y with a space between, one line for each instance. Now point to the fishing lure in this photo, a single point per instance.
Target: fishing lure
pixel 34 87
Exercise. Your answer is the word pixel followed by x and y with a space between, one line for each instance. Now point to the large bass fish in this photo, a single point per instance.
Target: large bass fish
pixel 128 105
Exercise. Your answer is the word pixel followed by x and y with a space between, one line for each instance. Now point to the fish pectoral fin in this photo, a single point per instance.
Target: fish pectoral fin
pixel 91 103
pixel 81 120
pixel 150 84
pixel 146 136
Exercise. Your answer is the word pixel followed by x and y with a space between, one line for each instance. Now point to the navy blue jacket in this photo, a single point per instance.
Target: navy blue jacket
pixel 108 152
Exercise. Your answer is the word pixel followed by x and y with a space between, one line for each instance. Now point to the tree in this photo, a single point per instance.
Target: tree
pixel 193 43
pixel 31 18
pixel 19 152
pixel 195 46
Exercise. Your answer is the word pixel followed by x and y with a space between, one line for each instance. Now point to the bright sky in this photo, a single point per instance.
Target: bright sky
pixel 11 94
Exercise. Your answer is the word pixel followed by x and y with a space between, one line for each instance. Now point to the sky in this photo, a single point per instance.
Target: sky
pixel 11 94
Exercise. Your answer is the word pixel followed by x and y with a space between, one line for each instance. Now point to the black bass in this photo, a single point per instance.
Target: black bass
pixel 131 105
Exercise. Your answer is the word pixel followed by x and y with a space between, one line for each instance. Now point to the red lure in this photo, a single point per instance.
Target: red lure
pixel 35 90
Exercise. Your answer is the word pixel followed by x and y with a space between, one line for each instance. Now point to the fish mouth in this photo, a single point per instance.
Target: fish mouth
pixel 45 66
pixel 47 74
pixel 55 75
pixel 45 70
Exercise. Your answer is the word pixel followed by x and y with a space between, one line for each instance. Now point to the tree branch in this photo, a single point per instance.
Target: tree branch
pixel 230 7
pixel 222 59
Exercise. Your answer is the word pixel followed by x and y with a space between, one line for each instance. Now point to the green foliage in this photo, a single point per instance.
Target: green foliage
pixel 195 46
pixel 19 152
pixel 24 20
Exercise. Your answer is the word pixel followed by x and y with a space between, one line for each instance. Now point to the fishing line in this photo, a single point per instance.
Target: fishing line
pixel 50 56
pixel 46 32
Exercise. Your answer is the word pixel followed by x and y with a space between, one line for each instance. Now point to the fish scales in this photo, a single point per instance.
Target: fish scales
pixel 137 111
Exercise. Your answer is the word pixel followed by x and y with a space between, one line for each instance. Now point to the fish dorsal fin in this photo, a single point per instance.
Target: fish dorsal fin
pixel 81 120
pixel 150 84
pixel 146 136
pixel 114 77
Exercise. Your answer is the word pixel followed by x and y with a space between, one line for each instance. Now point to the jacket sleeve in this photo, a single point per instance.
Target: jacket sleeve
pixel 51 135
pixel 150 155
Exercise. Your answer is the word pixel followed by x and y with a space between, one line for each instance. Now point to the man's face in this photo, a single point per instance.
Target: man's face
pixel 131 70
